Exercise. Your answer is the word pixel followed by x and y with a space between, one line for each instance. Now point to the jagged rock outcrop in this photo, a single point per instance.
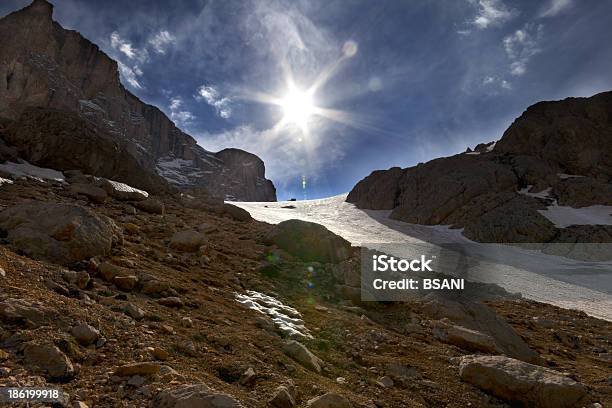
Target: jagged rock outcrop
pixel 561 150
pixel 58 71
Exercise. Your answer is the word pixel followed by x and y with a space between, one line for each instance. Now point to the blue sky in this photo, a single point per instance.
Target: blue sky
pixel 422 79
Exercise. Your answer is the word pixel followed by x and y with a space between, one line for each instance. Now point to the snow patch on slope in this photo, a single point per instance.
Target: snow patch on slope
pixel 563 216
pixel 25 169
pixel 541 277
pixel 285 317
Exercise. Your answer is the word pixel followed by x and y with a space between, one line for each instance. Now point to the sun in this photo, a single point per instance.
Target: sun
pixel 298 106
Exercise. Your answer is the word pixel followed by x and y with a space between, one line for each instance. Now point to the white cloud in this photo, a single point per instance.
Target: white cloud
pixel 212 97
pixel 521 45
pixel 555 7
pixel 492 13
pixel 130 74
pixel 494 81
pixel 127 49
pixel 161 41
pixel 178 115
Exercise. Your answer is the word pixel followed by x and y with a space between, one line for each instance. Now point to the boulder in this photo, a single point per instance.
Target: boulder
pixel 187 240
pixel 284 397
pixel 302 355
pixel 329 400
pixel 171 301
pixel 464 338
pixel 154 287
pixel 48 360
pixel 519 382
pixel 93 193
pixel 134 311
pixel 20 311
pixel 477 316
pixel 142 368
pixel 237 213
pixel 80 279
pixel 61 233
pixel 196 395
pixel 109 271
pixel 122 191
pixel 126 283
pixel 85 334
pixel 309 241
pixel 151 205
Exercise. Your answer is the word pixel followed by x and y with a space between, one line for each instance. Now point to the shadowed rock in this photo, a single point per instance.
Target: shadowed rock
pixel 61 233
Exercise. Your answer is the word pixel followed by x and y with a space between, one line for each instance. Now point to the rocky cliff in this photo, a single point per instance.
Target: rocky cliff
pixel 45 66
pixel 555 154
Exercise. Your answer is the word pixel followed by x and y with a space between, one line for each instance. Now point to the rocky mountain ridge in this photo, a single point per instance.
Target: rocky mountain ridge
pixel 554 154
pixel 47 71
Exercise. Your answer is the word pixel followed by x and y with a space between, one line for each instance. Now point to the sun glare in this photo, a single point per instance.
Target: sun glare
pixel 297 107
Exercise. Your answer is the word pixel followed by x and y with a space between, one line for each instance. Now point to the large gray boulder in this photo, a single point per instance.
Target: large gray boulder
pixel 309 241
pixel 60 233
pixel 476 316
pixel 49 361
pixel 519 382
pixel 302 355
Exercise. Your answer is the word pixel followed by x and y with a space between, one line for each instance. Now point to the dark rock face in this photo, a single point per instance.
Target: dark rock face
pixel 574 133
pixel 309 241
pixel 378 191
pixel 47 66
pixel 562 150
pixel 64 140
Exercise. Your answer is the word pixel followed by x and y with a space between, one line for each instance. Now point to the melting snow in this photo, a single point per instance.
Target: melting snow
pixel 545 278
pixel 563 216
pixel 5 181
pixel 542 194
pixel 25 169
pixel 285 317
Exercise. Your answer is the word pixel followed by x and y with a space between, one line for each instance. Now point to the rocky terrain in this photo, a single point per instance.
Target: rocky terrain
pixel 556 154
pixel 123 298
pixel 60 92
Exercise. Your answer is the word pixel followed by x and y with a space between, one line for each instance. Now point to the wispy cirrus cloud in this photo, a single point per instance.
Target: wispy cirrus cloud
pixel 212 97
pixel 179 115
pixel 131 58
pixel 492 13
pixel 555 7
pixel 127 49
pixel 521 45
pixel 161 41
